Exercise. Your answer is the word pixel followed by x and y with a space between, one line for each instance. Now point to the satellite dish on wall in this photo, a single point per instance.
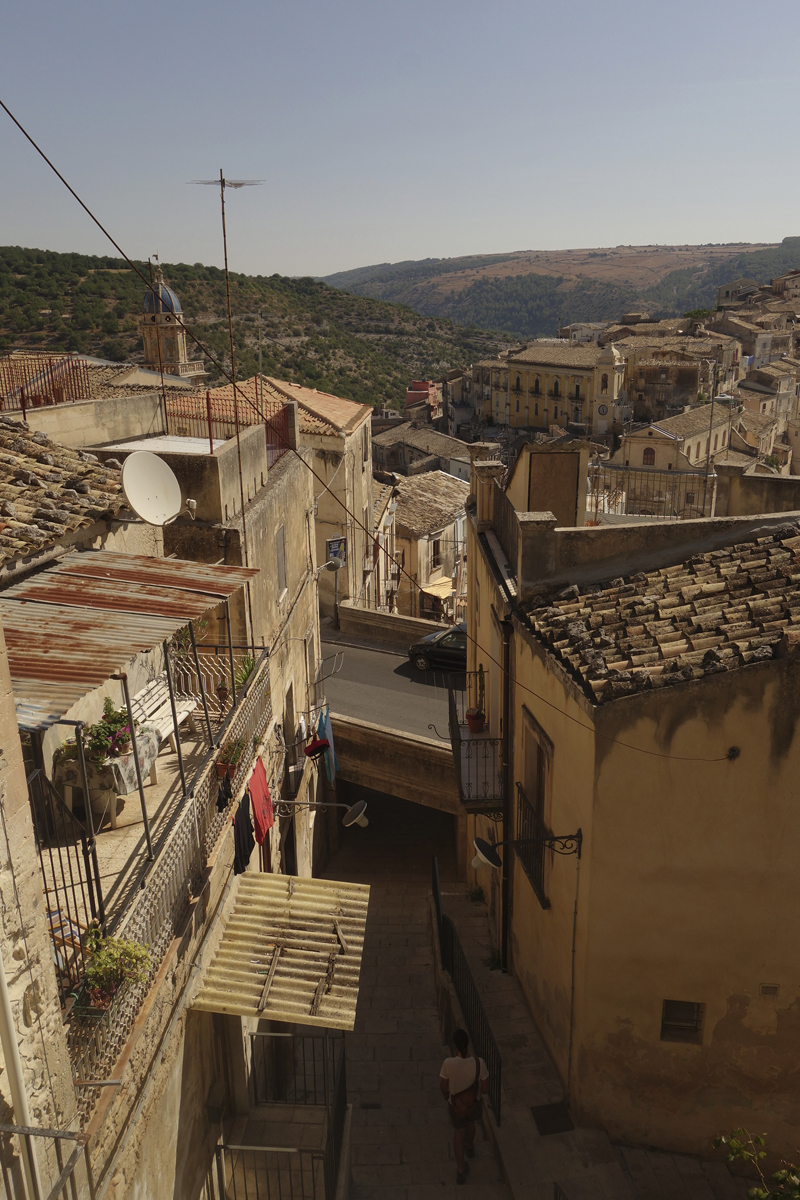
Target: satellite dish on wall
pixel 151 488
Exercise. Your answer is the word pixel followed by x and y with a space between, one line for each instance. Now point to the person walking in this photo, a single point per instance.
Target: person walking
pixel 463 1081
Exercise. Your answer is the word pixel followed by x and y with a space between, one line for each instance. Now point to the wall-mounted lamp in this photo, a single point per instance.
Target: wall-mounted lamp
pixel 486 852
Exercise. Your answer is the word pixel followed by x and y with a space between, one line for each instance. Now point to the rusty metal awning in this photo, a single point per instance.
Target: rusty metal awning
pixel 73 625
pixel 290 951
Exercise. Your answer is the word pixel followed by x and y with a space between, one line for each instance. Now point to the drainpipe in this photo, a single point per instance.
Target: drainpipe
pixel 506 783
pixel 16 1084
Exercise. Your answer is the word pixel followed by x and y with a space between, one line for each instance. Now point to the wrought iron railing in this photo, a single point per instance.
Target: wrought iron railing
pixel 529 844
pixel 293 1068
pixel 169 884
pixel 337 1113
pixel 204 415
pixel 31 379
pixel 478 762
pixel 454 961
pixel 647 492
pixel 44 1164
pixel 71 879
pixel 220 672
pixel 273 1172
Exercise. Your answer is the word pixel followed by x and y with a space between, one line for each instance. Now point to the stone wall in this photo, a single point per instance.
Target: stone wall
pixel 392 629
pixel 92 422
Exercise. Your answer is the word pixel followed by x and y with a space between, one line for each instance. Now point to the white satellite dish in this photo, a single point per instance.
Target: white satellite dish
pixel 151 488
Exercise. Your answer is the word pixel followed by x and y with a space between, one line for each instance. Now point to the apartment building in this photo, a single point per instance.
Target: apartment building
pixel 638 683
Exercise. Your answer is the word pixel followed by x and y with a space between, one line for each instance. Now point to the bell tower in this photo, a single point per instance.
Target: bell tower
pixel 163 335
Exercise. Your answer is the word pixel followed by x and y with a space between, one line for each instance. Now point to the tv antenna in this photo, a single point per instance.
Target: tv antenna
pixel 152 490
pixel 222 183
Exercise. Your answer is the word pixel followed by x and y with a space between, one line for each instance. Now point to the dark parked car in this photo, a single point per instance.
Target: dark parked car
pixel 444 650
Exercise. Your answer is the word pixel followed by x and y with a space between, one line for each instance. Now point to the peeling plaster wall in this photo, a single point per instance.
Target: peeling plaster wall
pixel 691 897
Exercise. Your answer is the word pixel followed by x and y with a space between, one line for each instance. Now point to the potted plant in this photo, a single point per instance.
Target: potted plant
pixel 476 717
pixel 112 962
pixel 109 737
pixel 229 758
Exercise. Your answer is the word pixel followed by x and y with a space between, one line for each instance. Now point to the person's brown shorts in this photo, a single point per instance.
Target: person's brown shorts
pixel 462 1122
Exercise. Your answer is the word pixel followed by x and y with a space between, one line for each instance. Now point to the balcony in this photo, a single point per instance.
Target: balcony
pixel 478 757
pixel 110 879
pixel 196 367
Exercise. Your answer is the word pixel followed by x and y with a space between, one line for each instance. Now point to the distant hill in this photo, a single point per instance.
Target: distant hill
pixel 362 348
pixel 525 293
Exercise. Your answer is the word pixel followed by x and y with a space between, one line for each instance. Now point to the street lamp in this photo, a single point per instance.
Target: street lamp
pixel 355 815
pixel 486 852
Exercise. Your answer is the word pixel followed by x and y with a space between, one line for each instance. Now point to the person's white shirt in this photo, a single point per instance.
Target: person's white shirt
pixel 460 1073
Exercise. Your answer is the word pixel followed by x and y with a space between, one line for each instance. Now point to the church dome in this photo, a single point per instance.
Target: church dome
pixel 161 299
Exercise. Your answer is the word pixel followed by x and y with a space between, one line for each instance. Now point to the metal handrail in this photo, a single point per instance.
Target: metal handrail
pixel 25 1136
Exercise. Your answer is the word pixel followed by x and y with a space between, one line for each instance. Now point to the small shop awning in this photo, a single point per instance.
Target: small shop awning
pixel 290 951
pixel 73 625
pixel 441 588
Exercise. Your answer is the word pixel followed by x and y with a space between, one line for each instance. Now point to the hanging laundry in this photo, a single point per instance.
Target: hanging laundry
pixel 263 818
pixel 325 731
pixel 243 839
pixel 224 793
pixel 302 729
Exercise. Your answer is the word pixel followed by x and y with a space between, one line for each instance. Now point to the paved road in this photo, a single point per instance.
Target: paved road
pixel 383 687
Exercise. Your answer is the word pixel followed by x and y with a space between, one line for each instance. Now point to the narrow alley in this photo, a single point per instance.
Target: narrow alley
pixel 402 1139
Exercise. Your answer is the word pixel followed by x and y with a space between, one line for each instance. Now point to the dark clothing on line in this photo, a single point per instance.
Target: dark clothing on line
pixel 242 836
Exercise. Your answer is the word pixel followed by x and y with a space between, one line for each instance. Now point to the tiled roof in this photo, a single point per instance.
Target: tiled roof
pixel 757 422
pixel 717 612
pixel 427 439
pixel 380 498
pixel 428 502
pixel 696 420
pixel 776 370
pixel 48 490
pixel 320 413
pixel 583 356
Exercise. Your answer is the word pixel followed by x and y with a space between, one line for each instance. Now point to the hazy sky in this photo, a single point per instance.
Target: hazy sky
pixel 392 130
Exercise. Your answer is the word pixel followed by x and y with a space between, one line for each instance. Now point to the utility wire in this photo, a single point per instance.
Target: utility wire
pixel 401 570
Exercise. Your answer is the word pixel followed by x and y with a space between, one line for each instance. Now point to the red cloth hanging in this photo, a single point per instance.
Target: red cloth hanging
pixel 261 800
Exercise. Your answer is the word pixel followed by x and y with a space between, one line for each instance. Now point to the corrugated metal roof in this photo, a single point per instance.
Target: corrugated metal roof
pixel 72 626
pixel 314 979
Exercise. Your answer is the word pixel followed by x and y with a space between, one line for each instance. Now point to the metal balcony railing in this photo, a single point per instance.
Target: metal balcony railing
pixel 169 884
pixel 478 761
pixel 529 844
pixel 44 1164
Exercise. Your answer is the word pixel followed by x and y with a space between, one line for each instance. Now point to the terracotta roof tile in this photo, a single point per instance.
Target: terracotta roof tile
pixel 429 502
pixel 48 490
pixel 717 612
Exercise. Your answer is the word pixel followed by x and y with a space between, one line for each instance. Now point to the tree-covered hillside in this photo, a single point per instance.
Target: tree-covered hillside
pixel 531 305
pixel 360 348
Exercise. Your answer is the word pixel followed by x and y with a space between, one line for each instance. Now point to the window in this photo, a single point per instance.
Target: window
pixel 536 411
pixel 725 436
pixel 537 751
pixel 536 386
pixel 682 1021
pixel 649 456
pixel 555 387
pixel 603 384
pixel 555 412
pixel 280 551
pixel 577 391
pixel 663 374
pixel 436 554
pixel 365 445
pixel 517 401
pixel 716 439
pixel 518 384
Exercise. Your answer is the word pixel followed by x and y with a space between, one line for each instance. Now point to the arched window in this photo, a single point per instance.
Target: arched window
pixel 555 412
pixel 536 386
pixel 603 384
pixel 518 384
pixel 555 387
pixel 536 407
pixel 716 439
pixel 725 436
pixel 649 456
pixel 577 391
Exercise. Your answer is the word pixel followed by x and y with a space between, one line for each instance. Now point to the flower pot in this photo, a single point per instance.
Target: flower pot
pixel 222 770
pixel 475 722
